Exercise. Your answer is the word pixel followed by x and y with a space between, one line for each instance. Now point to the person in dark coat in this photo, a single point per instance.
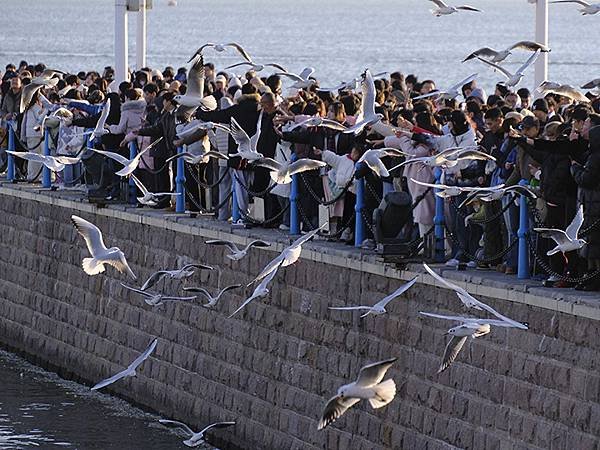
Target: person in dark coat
pixel 587 177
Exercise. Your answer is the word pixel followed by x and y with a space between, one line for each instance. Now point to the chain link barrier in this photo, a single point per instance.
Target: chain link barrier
pixel 201 183
pixel 499 214
pixel 488 260
pixel 318 199
pixel 252 193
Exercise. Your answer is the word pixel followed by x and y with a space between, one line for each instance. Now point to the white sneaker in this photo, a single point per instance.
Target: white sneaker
pixel 471 264
pixel 284 227
pixel 452 262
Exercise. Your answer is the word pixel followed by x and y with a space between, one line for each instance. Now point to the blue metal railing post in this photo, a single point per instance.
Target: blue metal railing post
pixel 294 217
pixel 235 210
pixel 359 227
pixel 132 189
pixel 438 221
pixel 523 262
pixel 45 171
pixel 387 188
pixel 180 182
pixel 10 168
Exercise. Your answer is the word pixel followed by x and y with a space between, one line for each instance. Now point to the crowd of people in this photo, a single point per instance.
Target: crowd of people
pixel 552 142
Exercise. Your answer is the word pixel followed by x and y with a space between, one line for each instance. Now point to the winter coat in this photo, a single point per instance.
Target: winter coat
pixel 132 116
pixel 343 168
pixel 32 121
pixel 10 103
pixel 587 178
pixel 425 210
pixel 165 128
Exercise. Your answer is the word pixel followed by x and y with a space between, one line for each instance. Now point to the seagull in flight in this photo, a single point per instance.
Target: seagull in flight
pixel 444 191
pixel 54 163
pixel 221 48
pixel 246 145
pixel 366 114
pixel 319 122
pixel 257 67
pixel 100 254
pixel 452 92
pixel 212 301
pixel 100 128
pixel 177 274
pixel 288 256
pixel 131 369
pixel 587 9
pixel 565 90
pixel 448 158
pixel 471 302
pixel 379 307
pixel 512 79
pixel 568 240
pixel 302 80
pixel 261 290
pixel 200 158
pixel 155 298
pixel 46 79
pixel 149 198
pixel 351 85
pixel 237 253
pixel 282 172
pixel 595 83
pixel 372 158
pixel 194 439
pixel 196 124
pixel 368 386
pixel 129 165
pixel 499 56
pixel 497 192
pixel 470 327
pixel 443 9
pixel 194 95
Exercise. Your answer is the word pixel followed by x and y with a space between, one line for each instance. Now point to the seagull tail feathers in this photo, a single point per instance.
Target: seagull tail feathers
pixel 92 266
pixel 384 393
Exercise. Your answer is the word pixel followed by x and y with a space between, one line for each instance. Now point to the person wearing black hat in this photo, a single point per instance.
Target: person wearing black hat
pixel 541 111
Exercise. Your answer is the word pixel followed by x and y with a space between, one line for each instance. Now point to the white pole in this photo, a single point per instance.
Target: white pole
pixel 140 44
pixel 121 55
pixel 541 36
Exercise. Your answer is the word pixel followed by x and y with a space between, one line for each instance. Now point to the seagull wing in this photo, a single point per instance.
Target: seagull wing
pixel 307 72
pixel 199 290
pixel 461 83
pixel 91 234
pixel 368 95
pixel 153 279
pixel 398 292
pixel 217 425
pixel 243 63
pixel 373 374
pixel 176 424
pixel 29 156
pixel 268 163
pixel 468 8
pixel 591 84
pixel 240 50
pixel 377 166
pixel 558 236
pixel 573 229
pixel 111 380
pixel 113 155
pixel 439 3
pixel 260 289
pixel 529 62
pixel 307 237
pixel 257 243
pixel 140 185
pixel 334 408
pixel 530 46
pixel 195 266
pixel 580 2
pixel 485 52
pixel 350 308
pixel 230 245
pixel 328 123
pixel 499 68
pixel 445 282
pixel 27 94
pixel 452 350
pixel 432 185
pixel 195 78
pixel 452 318
pixel 103 116
pixel 136 290
pixel 140 359
pixel 240 137
pixel 118 261
pixel 277 66
pixel 304 165
pixel 291 76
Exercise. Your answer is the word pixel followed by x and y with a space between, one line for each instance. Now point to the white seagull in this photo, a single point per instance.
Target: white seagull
pixel 131 369
pixel 379 307
pixel 195 439
pixel 196 124
pixel 177 274
pixel 565 90
pixel 443 9
pixel 100 254
pixel 130 165
pixel 499 56
pixel 372 158
pixel 595 83
pixel 155 298
pixel 448 158
pixel 302 80
pixel 566 241
pixel 221 48
pixel 444 191
pixel 212 301
pixel 288 256
pixel 368 386
pixel 194 95
pixel 200 158
pixel 470 327
pixel 318 122
pixel 54 163
pixel 587 8
pixel 471 302
pixel 281 173
pixel 452 92
pixel 237 253
pixel 246 145
pixel 99 129
pixel 351 85
pixel 149 198
pixel 497 192
pixel 257 67
pixel 512 79
pixel 366 114
pixel 46 79
pixel 261 290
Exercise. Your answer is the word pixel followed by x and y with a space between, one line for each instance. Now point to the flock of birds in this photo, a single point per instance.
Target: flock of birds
pixel 444 9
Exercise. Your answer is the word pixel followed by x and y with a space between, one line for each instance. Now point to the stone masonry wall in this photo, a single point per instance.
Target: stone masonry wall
pixel 273 366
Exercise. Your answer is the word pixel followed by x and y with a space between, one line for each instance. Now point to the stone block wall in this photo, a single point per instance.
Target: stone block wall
pixel 274 365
